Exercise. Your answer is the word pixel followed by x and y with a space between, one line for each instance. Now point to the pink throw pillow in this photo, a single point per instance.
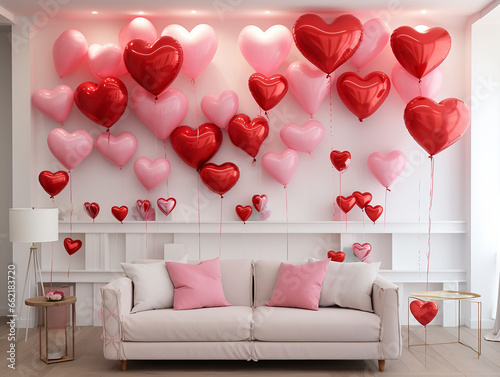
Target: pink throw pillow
pixel 197 286
pixel 299 286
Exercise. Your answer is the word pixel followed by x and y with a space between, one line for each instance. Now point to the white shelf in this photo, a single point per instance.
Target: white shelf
pixel 82 276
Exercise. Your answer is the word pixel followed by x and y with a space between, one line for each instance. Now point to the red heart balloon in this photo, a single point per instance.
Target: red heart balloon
pixel 423 311
pixel 196 146
pixel 327 46
pixel 119 212
pixel 248 134
pixel 362 199
pixel 374 212
pixel 336 256
pixel 53 183
pixel 220 178
pixel 166 205
pixel 259 202
pixel 243 212
pixel 267 91
pixel 420 53
pixel 102 103
pixel 346 203
pixel 153 66
pixel 363 95
pixel 72 246
pixel 92 209
pixel 340 160
pixel 436 126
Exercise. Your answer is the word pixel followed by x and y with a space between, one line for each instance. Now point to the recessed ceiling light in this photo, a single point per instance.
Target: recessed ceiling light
pixel 193 12
pixel 423 11
pixel 267 11
pixel 140 12
pixel 95 12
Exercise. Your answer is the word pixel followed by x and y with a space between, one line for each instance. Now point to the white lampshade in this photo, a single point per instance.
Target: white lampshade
pixel 33 224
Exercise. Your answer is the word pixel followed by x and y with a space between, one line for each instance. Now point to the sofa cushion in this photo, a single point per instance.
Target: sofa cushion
pixel 266 275
pixel 225 324
pixel 274 324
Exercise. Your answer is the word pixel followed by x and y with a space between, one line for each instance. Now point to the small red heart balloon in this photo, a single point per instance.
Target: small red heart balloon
pixel 248 134
pixel 72 246
pixel 119 212
pixel 196 146
pixel 340 160
pixel 346 203
pixel 374 212
pixel 243 212
pixel 92 209
pixel 436 126
pixel 166 205
pixel 423 311
pixel 259 202
pixel 153 66
pixel 53 183
pixel 103 103
pixel 267 91
pixel 362 199
pixel 363 95
pixel 336 256
pixel 327 46
pixel 220 178
pixel 362 251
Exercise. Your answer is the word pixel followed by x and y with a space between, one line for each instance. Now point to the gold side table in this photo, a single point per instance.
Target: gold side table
pixel 446 296
pixel 41 302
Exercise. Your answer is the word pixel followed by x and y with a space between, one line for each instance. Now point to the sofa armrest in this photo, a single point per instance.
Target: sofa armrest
pixel 117 300
pixel 385 297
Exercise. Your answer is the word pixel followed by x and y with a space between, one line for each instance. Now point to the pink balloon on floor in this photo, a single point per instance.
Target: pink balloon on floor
pixel 151 173
pixel 220 110
pixel 68 51
pixel 386 169
pixel 303 138
pixel 106 60
pixel 117 149
pixel 281 166
pixel 376 35
pixel 70 149
pixel 138 28
pixel 408 86
pixel 56 104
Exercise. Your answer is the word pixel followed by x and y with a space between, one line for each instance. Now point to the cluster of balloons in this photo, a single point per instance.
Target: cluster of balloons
pixel 361 251
pixel 259 202
pixel 362 200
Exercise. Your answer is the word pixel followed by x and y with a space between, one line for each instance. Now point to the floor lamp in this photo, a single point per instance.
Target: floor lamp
pixel 30 225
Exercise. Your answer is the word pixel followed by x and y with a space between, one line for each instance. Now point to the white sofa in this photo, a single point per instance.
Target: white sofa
pixel 248 329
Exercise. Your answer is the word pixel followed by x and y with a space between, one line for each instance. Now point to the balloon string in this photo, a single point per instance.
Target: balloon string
pixel 199 221
pixel 51 264
pixel 331 112
pixel 286 206
pixel 146 234
pixel 425 345
pixel 193 83
pixel 385 205
pixel 429 235
pixel 69 265
pixel 71 202
pixel 420 88
pixel 220 229
pixel 419 195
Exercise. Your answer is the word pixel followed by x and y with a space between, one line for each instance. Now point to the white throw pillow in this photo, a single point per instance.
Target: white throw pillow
pixel 349 285
pixel 153 288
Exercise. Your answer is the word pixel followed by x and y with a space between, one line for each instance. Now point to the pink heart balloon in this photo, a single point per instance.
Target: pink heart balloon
pixel 166 205
pixel 362 251
pixel 146 210
pixel 308 84
pixel 138 28
pixel 376 34
pixel 264 214
pixel 198 46
pixel 265 50
pixel 106 60
pixel 163 115
pixel 70 149
pixel 222 109
pixel 68 51
pixel 386 169
pixel 303 138
pixel 56 104
pixel 117 149
pixel 408 86
pixel 151 173
pixel 281 166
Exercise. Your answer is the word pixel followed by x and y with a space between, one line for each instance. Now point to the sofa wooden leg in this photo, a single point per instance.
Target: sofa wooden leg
pixel 124 364
pixel 381 365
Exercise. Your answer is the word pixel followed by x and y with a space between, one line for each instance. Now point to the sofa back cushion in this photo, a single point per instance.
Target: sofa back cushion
pixel 266 275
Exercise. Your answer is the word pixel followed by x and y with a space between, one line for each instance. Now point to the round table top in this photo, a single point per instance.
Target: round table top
pixel 42 301
pixel 446 295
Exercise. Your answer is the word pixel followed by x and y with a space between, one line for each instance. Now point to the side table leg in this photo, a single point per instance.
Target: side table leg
pixel 459 318
pixel 74 323
pixel 40 329
pixel 47 334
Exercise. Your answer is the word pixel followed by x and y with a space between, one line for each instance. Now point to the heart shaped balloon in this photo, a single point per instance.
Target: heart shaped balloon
pixel 327 46
pixel 265 50
pixel 153 66
pixel 423 311
pixel 161 114
pixel 436 126
pixel 362 199
pixel 420 52
pixel 346 203
pixel 196 146
pixel 56 104
pixel 264 214
pixel 386 169
pixel 198 47
pixel 340 160
pixel 166 205
pixel 281 166
pixel 146 210
pixel 220 178
pixel 53 183
pixel 363 95
pixel 70 149
pixel 336 256
pixel 267 91
pixel 92 209
pixel 68 51
pixel 259 202
pixel 117 149
pixel 376 34
pixel 151 173
pixel 106 60
pixel 374 212
pixel 72 246
pixel 102 103
pixel 248 134
pixel 120 213
pixel 408 86
pixel 243 212
pixel 220 110
pixel 362 251
pixel 308 84
pixel 138 28
pixel 303 138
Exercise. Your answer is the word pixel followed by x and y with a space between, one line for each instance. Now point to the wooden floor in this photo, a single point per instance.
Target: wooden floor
pixel 441 360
